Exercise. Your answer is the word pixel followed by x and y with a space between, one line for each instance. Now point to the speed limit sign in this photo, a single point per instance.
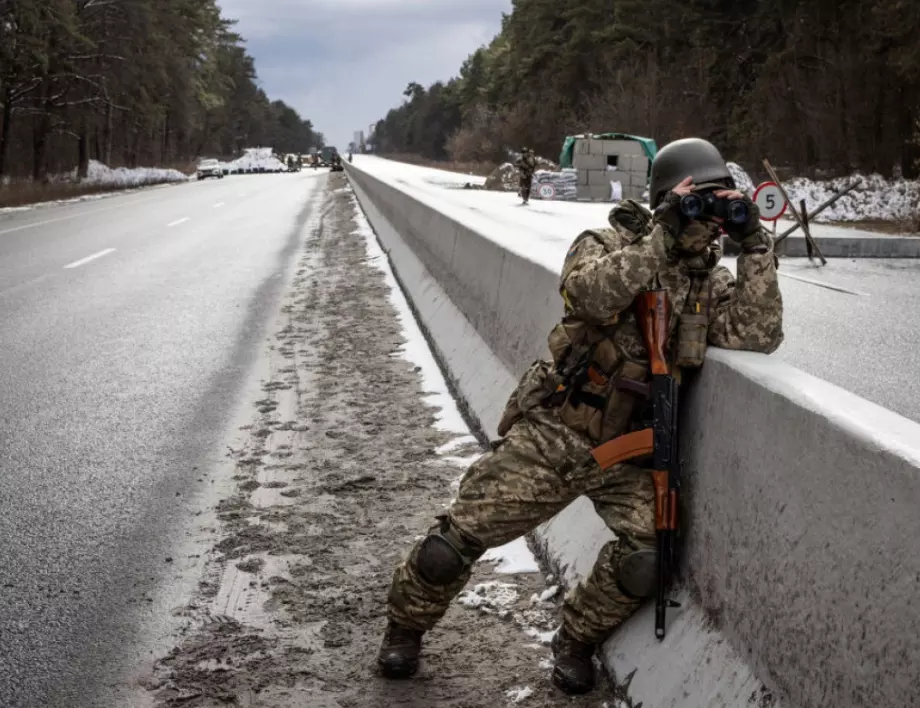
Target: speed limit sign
pixel 769 199
pixel 546 191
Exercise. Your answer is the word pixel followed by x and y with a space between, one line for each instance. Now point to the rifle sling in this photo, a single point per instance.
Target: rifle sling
pixel 623 448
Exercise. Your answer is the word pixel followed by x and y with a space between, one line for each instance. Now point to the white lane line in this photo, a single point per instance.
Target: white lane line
pixel 219 204
pixel 177 222
pixel 92 212
pixel 836 288
pixel 84 261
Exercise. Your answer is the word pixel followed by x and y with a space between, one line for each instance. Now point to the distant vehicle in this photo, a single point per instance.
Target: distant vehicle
pixel 328 153
pixel 210 168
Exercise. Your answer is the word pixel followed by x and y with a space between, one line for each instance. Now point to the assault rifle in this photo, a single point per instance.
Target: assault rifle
pixel 654 318
pixel 659 440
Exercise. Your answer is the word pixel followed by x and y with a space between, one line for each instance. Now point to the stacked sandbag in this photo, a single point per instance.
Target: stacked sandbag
pixel 556 186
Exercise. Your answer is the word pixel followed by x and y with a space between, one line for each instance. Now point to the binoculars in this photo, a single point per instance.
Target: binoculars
pixel 704 203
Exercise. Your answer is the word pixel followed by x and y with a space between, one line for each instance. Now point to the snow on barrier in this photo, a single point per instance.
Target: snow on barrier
pixel 800 562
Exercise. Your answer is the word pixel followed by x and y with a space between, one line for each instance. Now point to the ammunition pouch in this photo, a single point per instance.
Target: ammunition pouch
pixel 595 386
pixel 693 330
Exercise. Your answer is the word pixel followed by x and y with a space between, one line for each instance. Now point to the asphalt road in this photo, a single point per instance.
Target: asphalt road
pixel 129 325
pixel 856 323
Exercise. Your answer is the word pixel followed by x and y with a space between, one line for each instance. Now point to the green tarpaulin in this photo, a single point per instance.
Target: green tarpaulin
pixel 568 148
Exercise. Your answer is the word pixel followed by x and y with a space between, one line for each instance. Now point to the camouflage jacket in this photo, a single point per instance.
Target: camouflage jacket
pixel 527 164
pixel 599 357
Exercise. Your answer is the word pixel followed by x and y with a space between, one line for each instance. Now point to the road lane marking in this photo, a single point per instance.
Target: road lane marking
pixel 219 204
pixel 177 222
pixel 74 216
pixel 84 261
pixel 837 288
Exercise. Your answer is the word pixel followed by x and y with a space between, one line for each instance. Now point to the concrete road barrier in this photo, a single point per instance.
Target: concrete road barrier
pixel 801 574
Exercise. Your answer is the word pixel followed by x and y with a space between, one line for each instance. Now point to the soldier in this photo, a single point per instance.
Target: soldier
pixel 588 395
pixel 527 164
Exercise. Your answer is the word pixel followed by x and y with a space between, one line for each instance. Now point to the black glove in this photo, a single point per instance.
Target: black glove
pixel 672 220
pixel 741 233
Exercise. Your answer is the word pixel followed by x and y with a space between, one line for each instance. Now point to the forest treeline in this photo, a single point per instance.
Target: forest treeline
pixel 130 82
pixel 817 86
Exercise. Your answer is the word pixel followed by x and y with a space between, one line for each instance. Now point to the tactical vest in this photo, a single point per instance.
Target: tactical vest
pixel 596 382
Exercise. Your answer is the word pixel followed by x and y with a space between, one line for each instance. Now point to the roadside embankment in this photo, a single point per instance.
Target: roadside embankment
pixel 799 564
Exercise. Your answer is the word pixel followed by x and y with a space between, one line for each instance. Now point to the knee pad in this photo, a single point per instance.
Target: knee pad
pixel 637 574
pixel 445 555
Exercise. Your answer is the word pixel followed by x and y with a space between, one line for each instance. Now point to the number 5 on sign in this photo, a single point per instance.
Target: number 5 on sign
pixel 769 199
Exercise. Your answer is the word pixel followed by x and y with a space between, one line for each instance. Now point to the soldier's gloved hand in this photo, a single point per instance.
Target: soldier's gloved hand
pixel 747 234
pixel 669 215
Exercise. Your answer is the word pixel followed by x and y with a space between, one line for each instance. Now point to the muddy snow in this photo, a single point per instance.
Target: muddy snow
pixel 343 466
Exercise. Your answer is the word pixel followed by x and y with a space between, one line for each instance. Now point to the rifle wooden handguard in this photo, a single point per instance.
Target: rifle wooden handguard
pixel 623 448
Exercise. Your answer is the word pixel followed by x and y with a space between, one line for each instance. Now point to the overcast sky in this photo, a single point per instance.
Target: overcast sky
pixel 344 63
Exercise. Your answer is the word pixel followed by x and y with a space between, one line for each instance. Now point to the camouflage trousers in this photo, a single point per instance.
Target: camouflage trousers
pixel 525 185
pixel 537 470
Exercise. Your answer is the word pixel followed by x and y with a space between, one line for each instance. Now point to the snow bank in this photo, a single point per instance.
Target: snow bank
pixel 255 159
pixel 103 175
pixel 876 198
pixel 504 178
pixel 742 179
pixel 100 175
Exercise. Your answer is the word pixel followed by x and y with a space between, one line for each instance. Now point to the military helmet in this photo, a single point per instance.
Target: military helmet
pixel 690 157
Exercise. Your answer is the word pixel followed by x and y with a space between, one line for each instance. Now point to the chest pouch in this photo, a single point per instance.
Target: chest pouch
pixel 693 328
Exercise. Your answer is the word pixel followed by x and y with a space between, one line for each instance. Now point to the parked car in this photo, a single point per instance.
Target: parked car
pixel 210 168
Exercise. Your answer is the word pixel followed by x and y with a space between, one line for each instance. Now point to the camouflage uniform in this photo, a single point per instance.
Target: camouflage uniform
pixel 543 461
pixel 527 164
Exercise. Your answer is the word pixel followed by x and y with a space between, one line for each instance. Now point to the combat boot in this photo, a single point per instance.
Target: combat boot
pixel 399 652
pixel 573 671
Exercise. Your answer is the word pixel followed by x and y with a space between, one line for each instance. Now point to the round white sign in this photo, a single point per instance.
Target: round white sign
pixel 769 199
pixel 546 191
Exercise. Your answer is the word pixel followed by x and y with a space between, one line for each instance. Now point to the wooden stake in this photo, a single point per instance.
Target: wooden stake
pixel 795 213
pixel 830 202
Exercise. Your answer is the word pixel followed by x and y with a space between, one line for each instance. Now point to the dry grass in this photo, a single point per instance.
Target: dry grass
pixel 482 169
pixel 25 193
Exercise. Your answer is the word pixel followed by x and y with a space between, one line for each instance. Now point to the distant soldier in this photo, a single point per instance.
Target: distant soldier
pixel 527 164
